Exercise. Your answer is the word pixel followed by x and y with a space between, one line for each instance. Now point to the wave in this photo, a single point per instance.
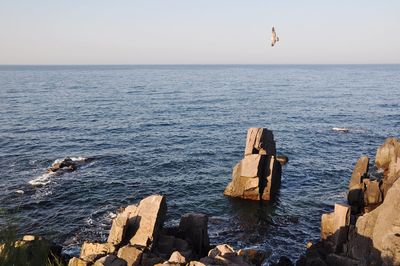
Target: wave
pixel 45 178
pixel 41 180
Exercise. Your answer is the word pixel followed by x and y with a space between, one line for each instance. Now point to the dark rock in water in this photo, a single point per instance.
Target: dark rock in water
pixel 252 256
pixel 282 159
pixel 283 261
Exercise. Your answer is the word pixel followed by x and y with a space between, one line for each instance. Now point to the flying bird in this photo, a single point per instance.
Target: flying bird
pixel 274 38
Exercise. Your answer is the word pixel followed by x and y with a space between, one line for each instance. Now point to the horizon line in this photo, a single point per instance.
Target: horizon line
pixel 206 64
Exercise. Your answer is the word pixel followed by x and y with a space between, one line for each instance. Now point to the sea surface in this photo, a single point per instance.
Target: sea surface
pixel 178 130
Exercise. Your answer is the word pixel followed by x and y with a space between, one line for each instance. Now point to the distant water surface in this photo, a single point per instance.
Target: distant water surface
pixel 178 131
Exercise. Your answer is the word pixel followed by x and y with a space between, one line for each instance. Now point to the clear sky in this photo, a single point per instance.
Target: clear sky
pixel 199 32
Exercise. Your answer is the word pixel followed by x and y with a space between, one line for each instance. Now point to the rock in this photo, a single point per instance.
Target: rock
pixel 31 238
pixel 335 259
pixel 387 153
pixel 194 227
pixel 177 257
pixel 388 159
pixel 196 263
pixel 249 165
pixel 282 159
pixel 150 259
pixel 373 195
pixel 118 228
pixel 92 251
pixel 77 262
pixel 165 244
pixel 252 256
pixel 150 218
pixel 283 261
pixel 260 141
pixel 334 227
pixel 130 254
pixel 110 260
pixel 355 195
pixel 66 164
pixel 261 186
pixel 223 255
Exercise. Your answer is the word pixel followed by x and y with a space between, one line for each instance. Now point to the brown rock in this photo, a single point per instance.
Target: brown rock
pixel 131 255
pixel 110 260
pixel 260 141
pixel 224 255
pixel 194 227
pixel 373 195
pixel 118 228
pixel 77 262
pixel 355 195
pixel 150 259
pixel 150 218
pixel 387 153
pixel 177 257
pixel 252 256
pixel 249 165
pixel 92 251
pixel 334 227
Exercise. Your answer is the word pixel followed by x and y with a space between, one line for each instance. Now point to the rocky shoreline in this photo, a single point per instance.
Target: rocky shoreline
pixel 364 230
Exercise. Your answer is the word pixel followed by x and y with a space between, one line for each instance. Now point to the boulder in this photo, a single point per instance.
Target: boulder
pixel 118 228
pixel 282 159
pixel 355 194
pixel 110 260
pixel 150 259
pixel 261 186
pixel 373 195
pixel 130 254
pixel 194 228
pixel 148 221
pixel 78 262
pixel 223 255
pixel 260 141
pixel 92 251
pixel 334 227
pixel 388 160
pixel 252 256
pixel 177 257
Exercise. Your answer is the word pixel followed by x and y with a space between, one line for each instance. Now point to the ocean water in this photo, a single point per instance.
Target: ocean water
pixel 178 131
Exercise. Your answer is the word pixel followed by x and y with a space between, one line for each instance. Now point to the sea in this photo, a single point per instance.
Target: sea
pixel 178 130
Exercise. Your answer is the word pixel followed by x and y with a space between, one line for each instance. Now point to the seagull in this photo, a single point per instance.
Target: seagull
pixel 274 38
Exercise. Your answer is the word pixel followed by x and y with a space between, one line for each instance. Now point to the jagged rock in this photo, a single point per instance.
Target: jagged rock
pixel 355 195
pixel 177 257
pixel 223 255
pixel 388 159
pixel 373 195
pixel 148 221
pixel 118 228
pixel 130 254
pixel 110 260
pixel 194 227
pixel 261 186
pixel 92 251
pixel 334 227
pixel 252 256
pixel 78 262
pixel 260 141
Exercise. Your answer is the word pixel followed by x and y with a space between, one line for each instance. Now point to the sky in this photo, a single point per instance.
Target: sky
pixel 199 32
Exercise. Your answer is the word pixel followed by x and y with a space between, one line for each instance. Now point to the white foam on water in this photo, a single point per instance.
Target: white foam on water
pixel 41 180
pixel 340 129
pixel 78 159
